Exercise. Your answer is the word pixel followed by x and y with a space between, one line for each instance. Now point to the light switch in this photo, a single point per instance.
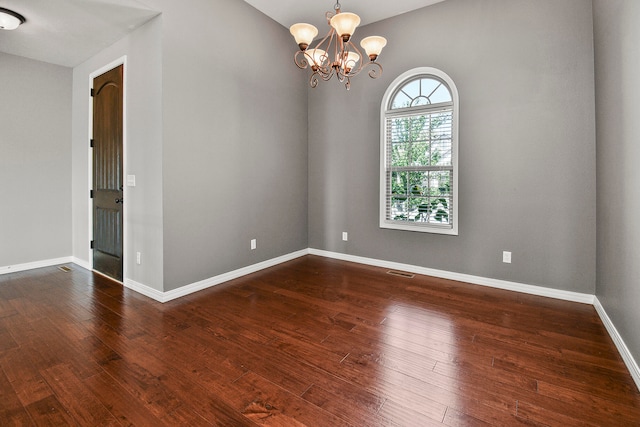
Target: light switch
pixel 131 180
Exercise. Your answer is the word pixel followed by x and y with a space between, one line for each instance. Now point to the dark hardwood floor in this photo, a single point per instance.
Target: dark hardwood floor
pixel 312 342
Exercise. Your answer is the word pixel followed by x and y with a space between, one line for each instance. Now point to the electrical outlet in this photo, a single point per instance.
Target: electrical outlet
pixel 506 257
pixel 254 244
pixel 138 258
pixel 345 236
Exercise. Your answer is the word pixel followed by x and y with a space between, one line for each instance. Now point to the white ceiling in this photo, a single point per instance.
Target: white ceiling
pixel 289 12
pixel 68 32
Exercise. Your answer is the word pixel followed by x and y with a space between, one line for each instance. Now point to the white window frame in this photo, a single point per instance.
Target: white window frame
pixel 385 111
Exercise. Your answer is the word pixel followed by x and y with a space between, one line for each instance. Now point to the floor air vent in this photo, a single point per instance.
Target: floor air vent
pixel 401 274
pixel 64 268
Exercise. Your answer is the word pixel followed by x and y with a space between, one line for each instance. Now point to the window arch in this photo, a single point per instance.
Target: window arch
pixel 419 153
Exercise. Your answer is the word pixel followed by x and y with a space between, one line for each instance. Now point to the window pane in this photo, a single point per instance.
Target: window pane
pixel 440 182
pixel 399 155
pixel 420 187
pixel 421 100
pixel 421 92
pixel 412 89
pixel 418 209
pixel 439 210
pixel 442 94
pixel 440 128
pixel 421 128
pixel 428 86
pixel 415 127
pixel 419 154
pixel 418 183
pixel 401 100
pixel 441 152
pixel 399 210
pixel 401 130
pixel 399 183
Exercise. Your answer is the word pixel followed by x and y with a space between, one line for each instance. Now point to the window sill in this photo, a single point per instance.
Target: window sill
pixel 434 229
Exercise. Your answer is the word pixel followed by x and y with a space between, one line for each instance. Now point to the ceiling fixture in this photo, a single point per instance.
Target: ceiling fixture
pixel 336 54
pixel 10 20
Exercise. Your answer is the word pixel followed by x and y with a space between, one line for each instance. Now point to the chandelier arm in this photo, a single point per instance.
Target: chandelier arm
pixel 300 59
pixel 324 70
pixel 327 74
pixel 329 15
pixel 326 38
pixel 325 45
pixel 313 80
pixel 327 70
pixel 375 72
pixel 354 71
pixel 334 46
pixel 320 69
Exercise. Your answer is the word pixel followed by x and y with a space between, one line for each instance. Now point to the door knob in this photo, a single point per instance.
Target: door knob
pixel 119 200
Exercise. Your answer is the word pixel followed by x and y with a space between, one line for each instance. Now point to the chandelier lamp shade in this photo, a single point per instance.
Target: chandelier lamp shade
pixel 10 20
pixel 336 54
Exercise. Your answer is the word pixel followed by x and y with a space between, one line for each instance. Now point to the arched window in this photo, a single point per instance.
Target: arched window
pixel 419 153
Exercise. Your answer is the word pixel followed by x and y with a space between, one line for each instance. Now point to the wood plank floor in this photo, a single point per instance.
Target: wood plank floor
pixel 312 342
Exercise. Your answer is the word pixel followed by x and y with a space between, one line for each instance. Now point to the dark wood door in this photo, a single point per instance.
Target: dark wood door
pixel 107 173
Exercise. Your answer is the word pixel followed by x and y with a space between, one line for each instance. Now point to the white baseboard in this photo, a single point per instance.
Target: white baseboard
pixel 206 283
pixel 36 264
pixel 632 365
pixel 225 277
pixel 145 290
pixel 476 280
pixel 212 281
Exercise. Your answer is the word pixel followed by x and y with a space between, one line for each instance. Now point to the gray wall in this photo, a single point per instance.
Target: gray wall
pixel 143 152
pixel 524 71
pixel 217 132
pixel 35 161
pixel 617 60
pixel 235 140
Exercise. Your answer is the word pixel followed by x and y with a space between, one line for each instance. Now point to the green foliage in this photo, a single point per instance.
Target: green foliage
pixel 419 196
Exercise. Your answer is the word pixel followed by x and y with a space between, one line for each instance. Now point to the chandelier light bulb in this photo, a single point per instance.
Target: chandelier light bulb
pixel 317 56
pixel 304 34
pixel 345 24
pixel 351 61
pixel 373 46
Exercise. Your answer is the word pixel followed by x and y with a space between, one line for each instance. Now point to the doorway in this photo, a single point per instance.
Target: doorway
pixel 107 180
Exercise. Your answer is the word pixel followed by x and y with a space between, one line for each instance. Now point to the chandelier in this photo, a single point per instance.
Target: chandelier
pixel 336 54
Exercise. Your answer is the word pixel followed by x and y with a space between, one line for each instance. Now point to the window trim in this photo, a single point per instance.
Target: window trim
pixel 385 112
